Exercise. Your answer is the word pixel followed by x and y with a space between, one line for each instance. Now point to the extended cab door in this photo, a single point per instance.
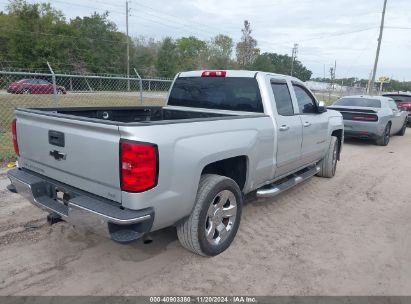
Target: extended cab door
pixel 289 129
pixel 315 125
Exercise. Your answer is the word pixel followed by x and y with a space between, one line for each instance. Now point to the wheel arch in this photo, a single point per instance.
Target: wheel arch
pixel 235 168
pixel 339 133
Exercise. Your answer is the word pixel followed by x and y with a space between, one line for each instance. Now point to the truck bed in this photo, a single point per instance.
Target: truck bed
pixel 129 115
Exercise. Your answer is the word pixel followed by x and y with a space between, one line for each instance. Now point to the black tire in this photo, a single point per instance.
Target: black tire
pixel 26 91
pixel 384 139
pixel 60 91
pixel 192 231
pixel 328 164
pixel 403 129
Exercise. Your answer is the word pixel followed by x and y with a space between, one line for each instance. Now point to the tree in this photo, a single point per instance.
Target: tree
pixel 191 53
pixel 246 49
pixel 143 56
pixel 98 44
pixel 167 60
pixel 220 51
pixel 276 63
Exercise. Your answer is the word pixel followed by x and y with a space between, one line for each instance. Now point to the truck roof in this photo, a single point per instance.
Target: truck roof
pixel 236 73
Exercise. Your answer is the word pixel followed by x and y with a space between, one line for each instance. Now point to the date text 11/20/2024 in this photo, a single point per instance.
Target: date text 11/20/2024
pixel 204 299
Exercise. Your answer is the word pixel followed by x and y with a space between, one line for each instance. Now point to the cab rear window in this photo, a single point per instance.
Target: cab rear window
pixel 223 93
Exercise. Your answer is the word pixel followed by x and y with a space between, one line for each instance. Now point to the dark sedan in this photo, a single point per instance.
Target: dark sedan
pixel 402 100
pixel 34 86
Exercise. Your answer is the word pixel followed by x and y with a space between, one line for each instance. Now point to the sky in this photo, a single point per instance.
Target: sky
pixel 345 31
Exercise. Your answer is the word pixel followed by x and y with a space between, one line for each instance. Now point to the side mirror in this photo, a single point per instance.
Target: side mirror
pixel 321 107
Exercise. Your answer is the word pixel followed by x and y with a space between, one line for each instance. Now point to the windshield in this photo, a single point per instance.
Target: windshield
pixel 358 102
pixel 225 93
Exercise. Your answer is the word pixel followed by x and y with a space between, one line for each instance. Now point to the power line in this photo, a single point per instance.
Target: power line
pixel 59 35
pixel 338 34
pixel 170 23
pixel 88 6
pixel 166 25
pixel 167 14
pixel 397 28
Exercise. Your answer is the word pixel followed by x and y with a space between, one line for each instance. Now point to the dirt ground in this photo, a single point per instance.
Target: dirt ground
pixel 350 235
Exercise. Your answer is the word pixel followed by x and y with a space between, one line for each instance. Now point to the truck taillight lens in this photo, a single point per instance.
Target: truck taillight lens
pixel 138 166
pixel 14 136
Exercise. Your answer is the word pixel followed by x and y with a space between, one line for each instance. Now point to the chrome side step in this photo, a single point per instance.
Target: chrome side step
pixel 294 179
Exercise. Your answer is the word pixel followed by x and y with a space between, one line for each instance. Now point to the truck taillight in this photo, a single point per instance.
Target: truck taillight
pixel 213 74
pixel 14 136
pixel 138 166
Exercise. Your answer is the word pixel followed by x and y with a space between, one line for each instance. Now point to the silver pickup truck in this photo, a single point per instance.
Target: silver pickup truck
pixel 132 170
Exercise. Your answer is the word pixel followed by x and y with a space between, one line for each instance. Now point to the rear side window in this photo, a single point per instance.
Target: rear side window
pixel 358 102
pixel 224 93
pixel 282 99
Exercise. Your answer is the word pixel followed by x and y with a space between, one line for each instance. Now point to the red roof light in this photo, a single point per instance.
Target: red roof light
pixel 213 74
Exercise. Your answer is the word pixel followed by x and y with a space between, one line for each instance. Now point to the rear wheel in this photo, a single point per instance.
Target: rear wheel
pixel 384 139
pixel 328 165
pixel 214 221
pixel 403 129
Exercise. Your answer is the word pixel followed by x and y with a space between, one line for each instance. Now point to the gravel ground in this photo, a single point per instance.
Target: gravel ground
pixel 349 235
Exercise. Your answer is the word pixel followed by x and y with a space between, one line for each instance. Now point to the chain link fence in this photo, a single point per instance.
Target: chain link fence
pixel 327 93
pixel 22 89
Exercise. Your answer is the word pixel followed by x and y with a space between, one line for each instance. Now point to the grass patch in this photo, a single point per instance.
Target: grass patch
pixel 327 98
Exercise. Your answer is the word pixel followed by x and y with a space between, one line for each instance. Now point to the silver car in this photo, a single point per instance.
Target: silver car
pixel 374 117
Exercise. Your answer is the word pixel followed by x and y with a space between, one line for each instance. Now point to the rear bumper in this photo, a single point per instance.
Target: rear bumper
pixel 360 134
pixel 81 208
pixel 363 129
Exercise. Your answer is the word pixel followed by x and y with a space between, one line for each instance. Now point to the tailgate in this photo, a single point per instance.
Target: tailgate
pixel 81 154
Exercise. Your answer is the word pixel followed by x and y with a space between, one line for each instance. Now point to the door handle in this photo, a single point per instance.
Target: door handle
pixel 307 124
pixel 284 128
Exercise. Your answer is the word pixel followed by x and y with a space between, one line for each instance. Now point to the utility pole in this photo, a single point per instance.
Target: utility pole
pixel 128 49
pixel 332 74
pixel 377 55
pixel 293 57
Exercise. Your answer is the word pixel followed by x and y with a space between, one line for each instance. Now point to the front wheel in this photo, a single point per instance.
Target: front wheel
pixel 328 164
pixel 384 139
pixel 214 221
